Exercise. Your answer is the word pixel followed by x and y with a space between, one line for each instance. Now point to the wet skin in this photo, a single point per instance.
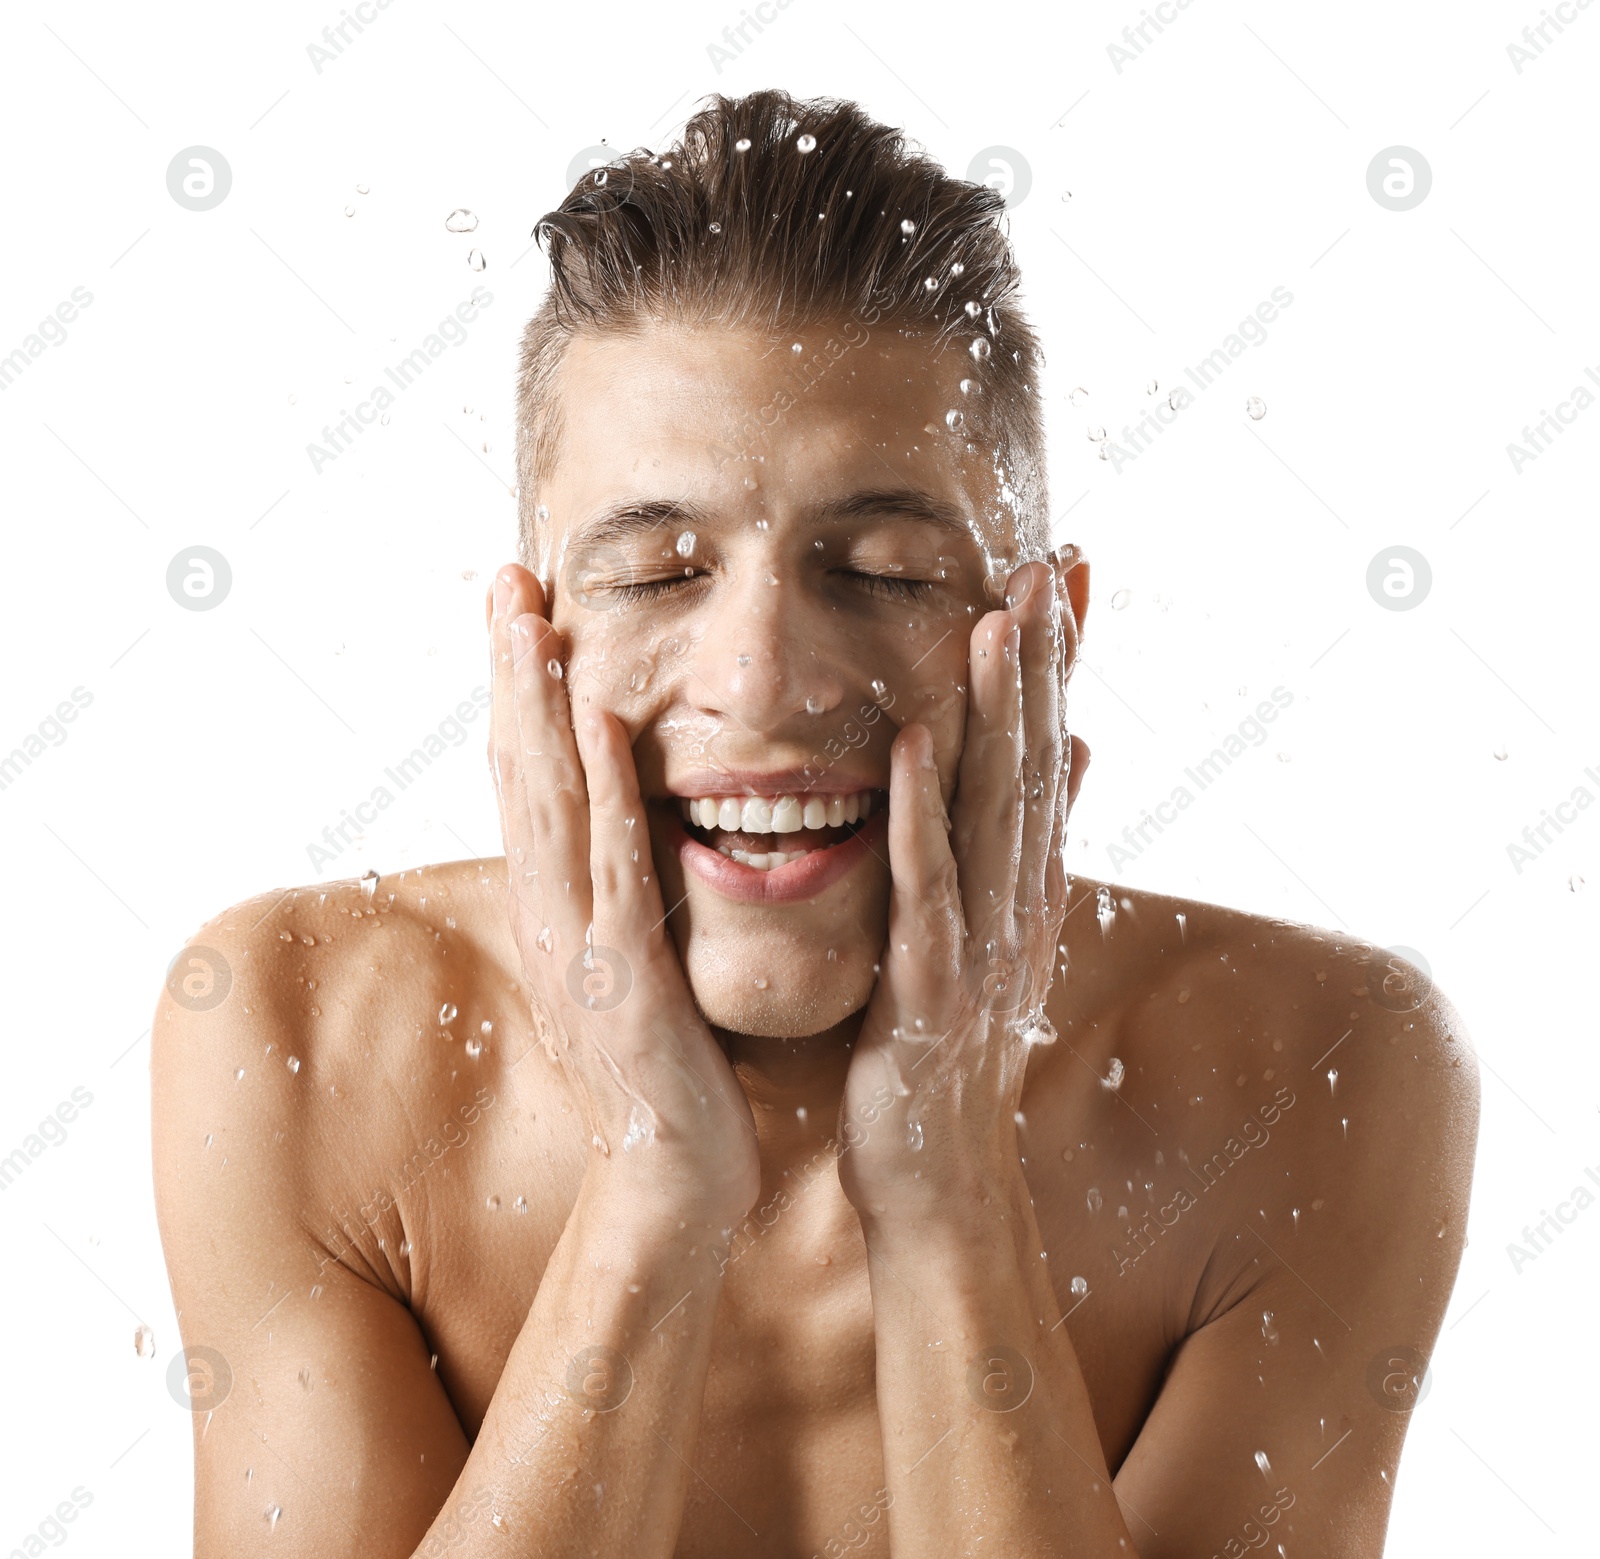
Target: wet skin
pixel 1249 1237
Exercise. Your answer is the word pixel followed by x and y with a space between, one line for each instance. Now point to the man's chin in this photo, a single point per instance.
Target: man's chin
pixel 786 1003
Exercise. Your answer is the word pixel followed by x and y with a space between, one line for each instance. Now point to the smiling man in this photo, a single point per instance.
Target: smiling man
pixel 773 1153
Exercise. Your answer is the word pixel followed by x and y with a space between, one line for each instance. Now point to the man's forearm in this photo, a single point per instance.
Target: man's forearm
pixel 587 1444
pixel 989 1440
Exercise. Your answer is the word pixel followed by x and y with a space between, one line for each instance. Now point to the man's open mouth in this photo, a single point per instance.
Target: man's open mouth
pixel 771 831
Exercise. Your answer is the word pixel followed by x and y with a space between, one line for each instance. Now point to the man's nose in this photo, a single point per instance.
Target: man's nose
pixel 766 659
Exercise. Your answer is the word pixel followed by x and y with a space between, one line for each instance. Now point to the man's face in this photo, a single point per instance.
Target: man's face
pixel 771 598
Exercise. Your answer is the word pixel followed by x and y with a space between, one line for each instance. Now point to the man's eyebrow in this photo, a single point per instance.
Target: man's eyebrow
pixel 900 503
pixel 622 522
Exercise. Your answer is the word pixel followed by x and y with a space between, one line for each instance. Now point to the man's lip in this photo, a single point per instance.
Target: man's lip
pixel 799 880
pixel 770 782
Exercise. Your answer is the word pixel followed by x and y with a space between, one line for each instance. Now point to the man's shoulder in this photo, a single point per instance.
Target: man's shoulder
pixel 1212 1007
pixel 319 1019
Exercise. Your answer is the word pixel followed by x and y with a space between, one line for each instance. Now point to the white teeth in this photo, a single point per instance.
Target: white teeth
pixel 764 861
pixel 787 817
pixel 786 814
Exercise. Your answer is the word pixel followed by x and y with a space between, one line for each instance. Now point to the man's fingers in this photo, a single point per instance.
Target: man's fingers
pixel 627 892
pixel 925 912
pixel 986 814
pixel 1044 646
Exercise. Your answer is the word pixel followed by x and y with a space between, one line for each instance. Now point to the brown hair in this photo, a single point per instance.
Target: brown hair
pixel 772 212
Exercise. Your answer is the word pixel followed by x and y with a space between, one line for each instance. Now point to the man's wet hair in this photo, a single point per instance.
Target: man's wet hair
pixel 772 213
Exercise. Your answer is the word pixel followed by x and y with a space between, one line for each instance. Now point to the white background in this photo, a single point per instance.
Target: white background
pixel 1227 159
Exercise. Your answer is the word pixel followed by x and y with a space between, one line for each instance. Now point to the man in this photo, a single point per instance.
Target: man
pixel 773 1153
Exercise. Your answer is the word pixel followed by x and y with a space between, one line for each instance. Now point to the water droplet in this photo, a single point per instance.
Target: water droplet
pixel 930 284
pixel 979 348
pixel 363 189
pixel 1268 1330
pixel 879 688
pixel 1255 408
pixel 1114 1075
pixel 813 705
pixel 1121 600
pixel 553 667
pixel 1080 1286
pixel 1066 194
pixel 1333 1080
pixel 1095 433
pixel 546 939
pixel 914 1135
pixel 447 1013
pixel 1104 910
pixel 716 227
pixel 520 1205
pixel 293 1063
pixel 474 1047
pixel 1575 883
pixel 369 884
pixel 760 982
pixel 349 211
pixel 144 1341
pixel 744 660
pixel 492 1202
pixel 742 144
pixel 973 308
pixel 1079 396
pixel 271 1515
pixel 907 226
pixel 806 143
pixel 1500 753
pixel 476 261
pixel 1263 1463
pixel 1095 1200
pixel 461 221
pixel 955 421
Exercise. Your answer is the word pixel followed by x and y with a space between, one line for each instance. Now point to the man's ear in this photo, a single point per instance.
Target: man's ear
pixel 1072 580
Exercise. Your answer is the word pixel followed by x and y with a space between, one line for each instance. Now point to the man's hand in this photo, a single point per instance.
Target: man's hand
pixel 976 907
pixel 664 1113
